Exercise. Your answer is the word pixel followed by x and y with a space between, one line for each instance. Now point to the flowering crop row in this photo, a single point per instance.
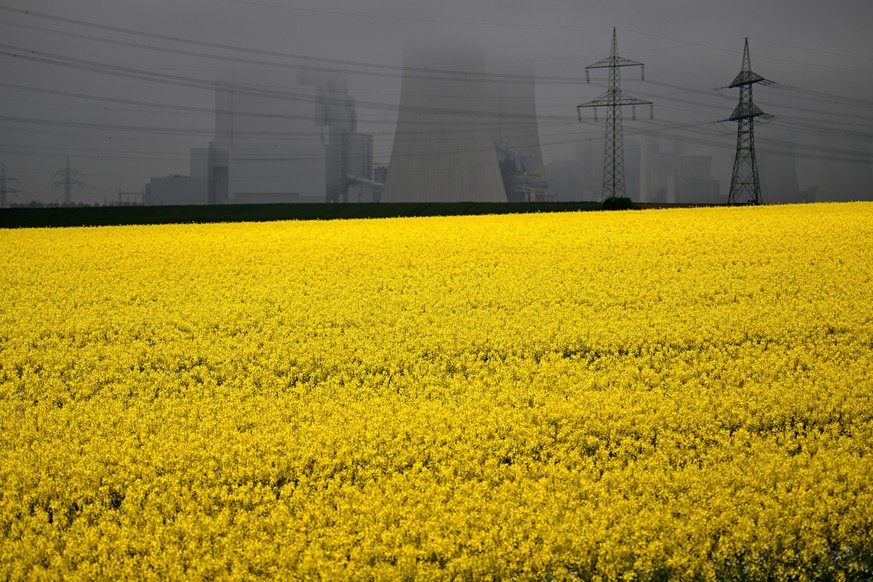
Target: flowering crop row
pixel 679 393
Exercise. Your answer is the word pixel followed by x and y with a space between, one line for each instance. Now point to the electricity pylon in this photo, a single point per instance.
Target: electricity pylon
pixel 614 100
pixel 68 178
pixel 6 187
pixel 745 183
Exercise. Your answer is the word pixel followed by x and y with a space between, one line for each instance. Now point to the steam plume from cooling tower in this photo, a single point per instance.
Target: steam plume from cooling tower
pixel 846 167
pixel 444 145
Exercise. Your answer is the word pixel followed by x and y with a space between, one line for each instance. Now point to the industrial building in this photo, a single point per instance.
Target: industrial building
pixel 669 175
pixel 277 141
pixel 175 191
pixel 589 158
pixel 465 132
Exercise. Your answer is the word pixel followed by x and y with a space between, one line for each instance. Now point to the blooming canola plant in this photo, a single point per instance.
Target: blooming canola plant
pixel 679 393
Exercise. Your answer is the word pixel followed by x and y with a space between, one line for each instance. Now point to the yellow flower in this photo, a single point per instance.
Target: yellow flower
pixel 679 394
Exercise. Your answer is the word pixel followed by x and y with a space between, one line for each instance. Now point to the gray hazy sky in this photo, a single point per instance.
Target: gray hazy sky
pixel 822 53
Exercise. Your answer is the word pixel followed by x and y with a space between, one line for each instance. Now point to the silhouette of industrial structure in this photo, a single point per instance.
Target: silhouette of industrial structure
pixel 845 167
pixel 613 100
pixel 517 141
pixel 444 144
pixel 745 182
pixel 672 175
pixel 778 172
pixel 466 131
pixel 277 140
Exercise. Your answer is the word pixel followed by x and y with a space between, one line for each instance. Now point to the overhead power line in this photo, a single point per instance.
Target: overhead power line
pixel 390 71
pixel 398 18
pixel 240 113
pixel 243 89
pixel 396 70
pixel 830 98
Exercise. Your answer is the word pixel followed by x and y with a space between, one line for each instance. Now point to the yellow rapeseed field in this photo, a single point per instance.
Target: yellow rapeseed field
pixel 632 395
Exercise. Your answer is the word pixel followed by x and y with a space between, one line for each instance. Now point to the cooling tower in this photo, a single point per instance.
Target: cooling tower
pixel 515 102
pixel 444 144
pixel 846 168
pixel 517 134
pixel 778 172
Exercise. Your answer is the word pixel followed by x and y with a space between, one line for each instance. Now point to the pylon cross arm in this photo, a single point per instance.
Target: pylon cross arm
pixel 619 99
pixel 746 78
pixel 614 62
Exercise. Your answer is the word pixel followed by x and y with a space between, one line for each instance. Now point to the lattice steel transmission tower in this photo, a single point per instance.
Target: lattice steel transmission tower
pixel 68 179
pixel 614 100
pixel 745 183
pixel 6 187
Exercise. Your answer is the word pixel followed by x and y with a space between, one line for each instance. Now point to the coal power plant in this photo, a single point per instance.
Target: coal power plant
pixel 277 140
pixel 519 154
pixel 444 142
pixel 465 132
pixel 264 103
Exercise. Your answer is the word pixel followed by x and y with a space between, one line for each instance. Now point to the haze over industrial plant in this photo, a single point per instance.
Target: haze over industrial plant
pixel 254 101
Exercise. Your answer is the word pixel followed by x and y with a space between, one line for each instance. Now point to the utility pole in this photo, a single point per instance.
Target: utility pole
pixel 745 183
pixel 614 100
pixel 6 187
pixel 68 178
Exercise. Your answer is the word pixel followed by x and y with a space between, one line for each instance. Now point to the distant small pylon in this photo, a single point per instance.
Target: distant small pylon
pixel 6 187
pixel 613 100
pixel 68 178
pixel 745 182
